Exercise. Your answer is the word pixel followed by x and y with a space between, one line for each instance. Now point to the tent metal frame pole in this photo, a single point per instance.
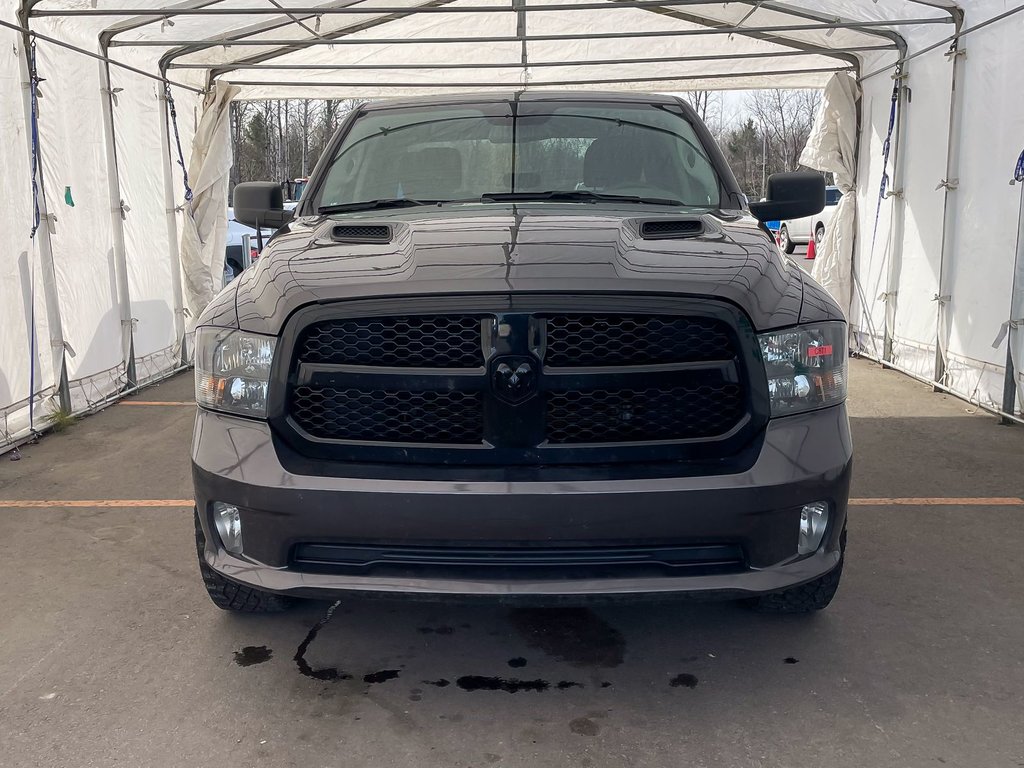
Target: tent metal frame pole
pixel 898 218
pixel 172 225
pixel 516 64
pixel 262 10
pixel 638 34
pixel 949 213
pixel 51 298
pixel 547 84
pixel 117 227
pixel 172 230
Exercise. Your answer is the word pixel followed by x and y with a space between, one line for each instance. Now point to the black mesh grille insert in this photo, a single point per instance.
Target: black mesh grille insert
pixel 664 230
pixel 363 233
pixel 389 416
pixel 404 342
pixel 593 340
pixel 700 409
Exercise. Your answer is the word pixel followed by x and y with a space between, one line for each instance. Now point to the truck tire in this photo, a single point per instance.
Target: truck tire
pixel 229 596
pixel 785 242
pixel 819 235
pixel 807 598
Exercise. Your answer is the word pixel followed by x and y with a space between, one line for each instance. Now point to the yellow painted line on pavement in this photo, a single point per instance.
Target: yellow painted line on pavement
pixel 31 503
pixel 995 501
pixel 157 402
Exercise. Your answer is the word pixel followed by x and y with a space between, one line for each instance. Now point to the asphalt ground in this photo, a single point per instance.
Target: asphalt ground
pixel 112 654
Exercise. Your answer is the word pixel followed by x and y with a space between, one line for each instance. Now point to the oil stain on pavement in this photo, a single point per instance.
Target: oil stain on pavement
pixel 326 673
pixel 577 636
pixel 684 680
pixel 382 676
pixel 253 654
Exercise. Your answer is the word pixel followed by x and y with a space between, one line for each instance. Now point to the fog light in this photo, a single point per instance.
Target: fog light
pixel 813 522
pixel 229 526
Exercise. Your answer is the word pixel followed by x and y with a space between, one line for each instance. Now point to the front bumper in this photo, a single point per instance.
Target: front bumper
pixel 802 459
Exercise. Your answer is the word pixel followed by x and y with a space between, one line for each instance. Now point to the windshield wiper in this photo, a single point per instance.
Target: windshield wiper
pixel 577 194
pixel 369 205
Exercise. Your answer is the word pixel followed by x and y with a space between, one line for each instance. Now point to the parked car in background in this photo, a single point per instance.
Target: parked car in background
pixel 794 232
pixel 235 259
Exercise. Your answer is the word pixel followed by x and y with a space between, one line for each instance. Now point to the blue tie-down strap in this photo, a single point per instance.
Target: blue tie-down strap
pixel 1018 172
pixel 177 142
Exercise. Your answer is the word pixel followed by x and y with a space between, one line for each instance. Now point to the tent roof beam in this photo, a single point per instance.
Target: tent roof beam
pixel 277 10
pixel 540 84
pixel 518 64
pixel 716 30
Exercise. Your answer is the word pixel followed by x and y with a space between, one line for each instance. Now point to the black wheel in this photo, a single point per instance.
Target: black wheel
pixel 807 598
pixel 230 596
pixel 819 234
pixel 787 245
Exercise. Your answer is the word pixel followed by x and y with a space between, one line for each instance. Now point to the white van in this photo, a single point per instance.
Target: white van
pixel 794 232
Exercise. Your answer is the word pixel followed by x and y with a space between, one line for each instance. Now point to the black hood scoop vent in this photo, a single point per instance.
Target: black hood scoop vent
pixel 361 233
pixel 671 229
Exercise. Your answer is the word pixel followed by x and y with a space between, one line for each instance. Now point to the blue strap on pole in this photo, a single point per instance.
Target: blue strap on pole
pixel 1018 172
pixel 886 146
pixel 33 84
pixel 177 142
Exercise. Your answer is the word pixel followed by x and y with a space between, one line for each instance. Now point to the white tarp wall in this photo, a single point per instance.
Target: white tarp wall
pixel 26 362
pixel 931 278
pixel 959 296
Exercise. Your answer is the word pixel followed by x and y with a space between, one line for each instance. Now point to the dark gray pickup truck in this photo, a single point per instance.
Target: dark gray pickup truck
pixel 522 345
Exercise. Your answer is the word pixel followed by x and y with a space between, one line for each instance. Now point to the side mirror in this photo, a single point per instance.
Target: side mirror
pixel 790 196
pixel 260 205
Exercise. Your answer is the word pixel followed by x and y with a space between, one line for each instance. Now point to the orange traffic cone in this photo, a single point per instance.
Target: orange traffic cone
pixel 811 248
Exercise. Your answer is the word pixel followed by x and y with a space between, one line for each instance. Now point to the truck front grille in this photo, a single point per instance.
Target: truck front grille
pixel 686 412
pixel 522 385
pixel 393 416
pixel 588 340
pixel 451 341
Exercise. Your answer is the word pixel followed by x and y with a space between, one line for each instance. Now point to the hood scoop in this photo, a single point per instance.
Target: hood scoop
pixel 361 233
pixel 671 229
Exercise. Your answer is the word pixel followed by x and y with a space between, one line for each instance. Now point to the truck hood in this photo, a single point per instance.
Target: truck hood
pixel 494 248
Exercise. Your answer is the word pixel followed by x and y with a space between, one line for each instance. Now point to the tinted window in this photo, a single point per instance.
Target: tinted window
pixel 465 152
pixel 832 196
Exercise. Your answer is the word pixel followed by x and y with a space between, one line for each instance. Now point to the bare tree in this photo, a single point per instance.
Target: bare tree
pixel 785 117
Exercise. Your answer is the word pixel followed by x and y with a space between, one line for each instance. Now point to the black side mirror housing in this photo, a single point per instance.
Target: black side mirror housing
pixel 260 205
pixel 791 196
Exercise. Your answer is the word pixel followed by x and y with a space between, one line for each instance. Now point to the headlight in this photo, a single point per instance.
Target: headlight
pixel 233 370
pixel 806 367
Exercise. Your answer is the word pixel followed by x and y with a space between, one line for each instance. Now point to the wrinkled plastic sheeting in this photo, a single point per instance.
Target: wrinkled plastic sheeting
pixel 832 147
pixel 205 226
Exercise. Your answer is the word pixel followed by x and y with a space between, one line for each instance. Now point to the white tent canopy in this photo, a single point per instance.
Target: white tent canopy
pixel 91 302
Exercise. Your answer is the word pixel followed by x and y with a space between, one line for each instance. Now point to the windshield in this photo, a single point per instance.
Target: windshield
pixel 468 152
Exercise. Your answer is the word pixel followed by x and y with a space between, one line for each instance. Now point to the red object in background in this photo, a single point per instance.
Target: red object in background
pixel 253 255
pixel 811 248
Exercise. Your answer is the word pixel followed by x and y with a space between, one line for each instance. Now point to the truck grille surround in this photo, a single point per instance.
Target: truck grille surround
pixel 662 380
